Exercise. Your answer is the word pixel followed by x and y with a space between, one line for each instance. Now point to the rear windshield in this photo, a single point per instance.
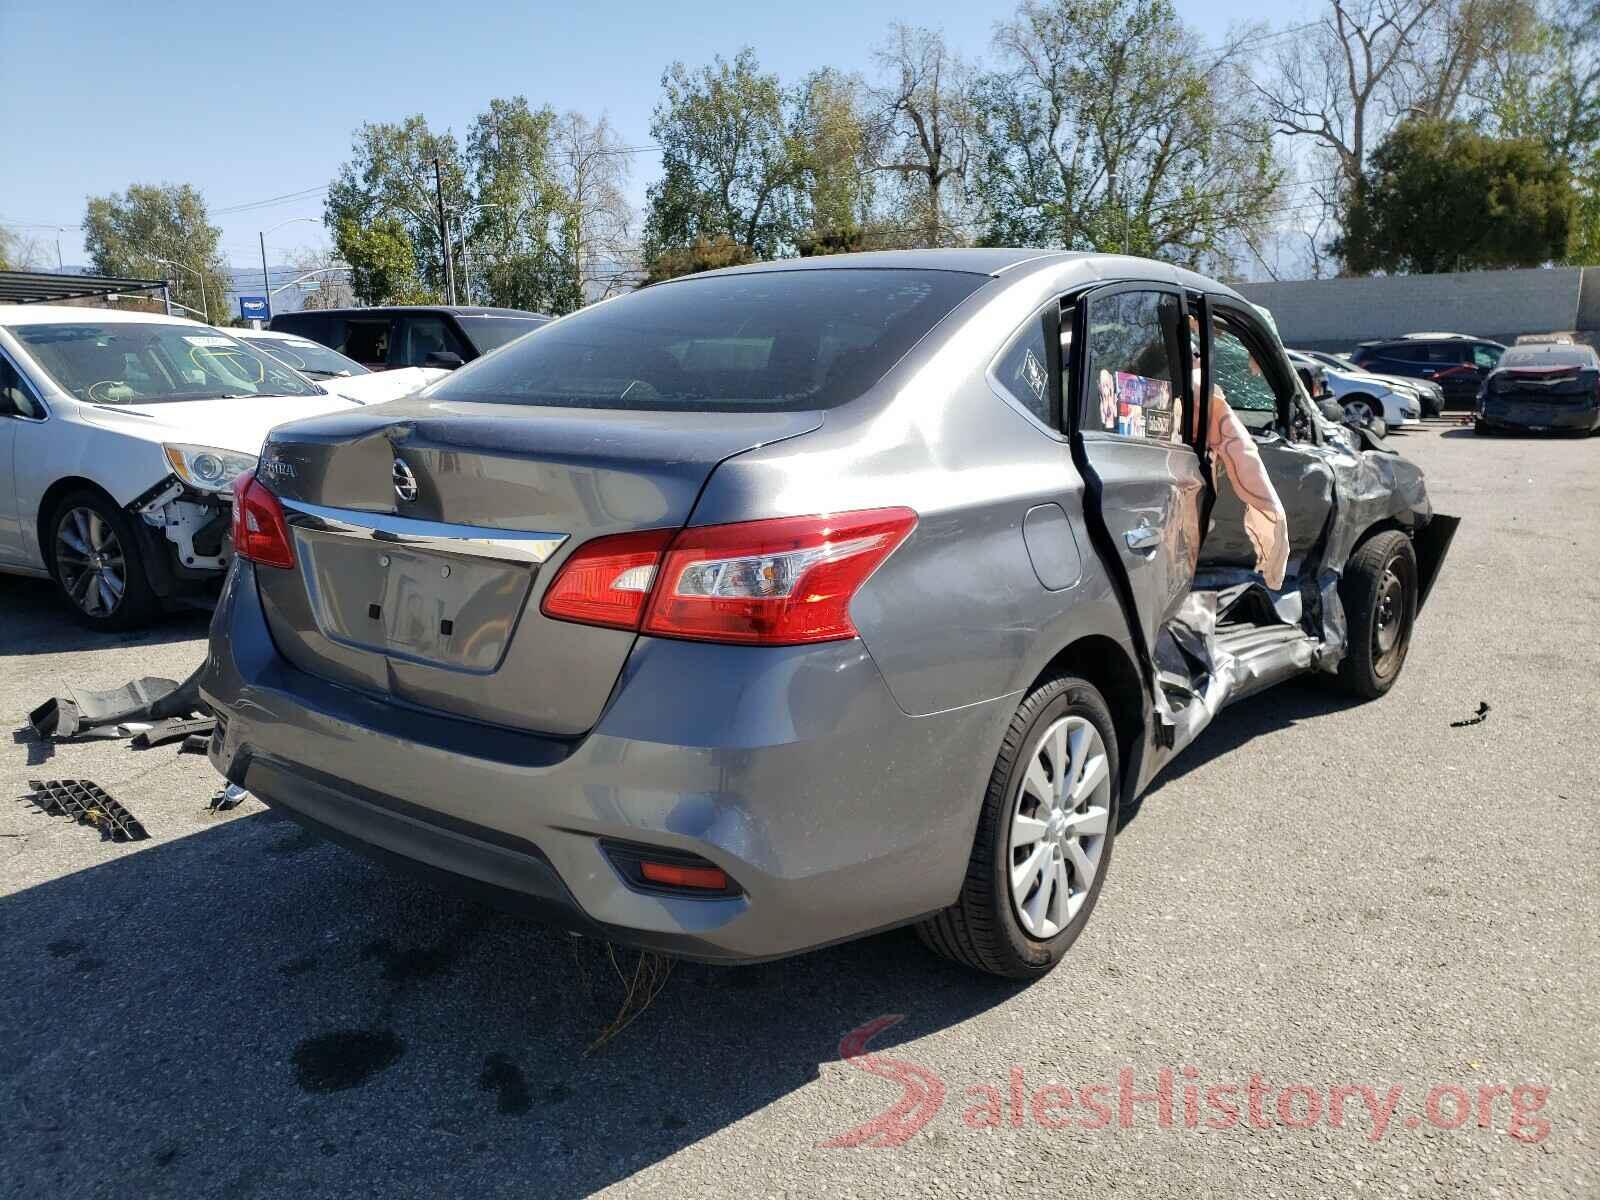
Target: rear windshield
pixel 490 333
pixel 142 362
pixel 765 341
pixel 1549 356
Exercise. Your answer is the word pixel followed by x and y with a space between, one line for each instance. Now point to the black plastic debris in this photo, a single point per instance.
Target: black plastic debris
pixel 176 730
pixel 109 714
pixel 1477 718
pixel 88 804
pixel 195 743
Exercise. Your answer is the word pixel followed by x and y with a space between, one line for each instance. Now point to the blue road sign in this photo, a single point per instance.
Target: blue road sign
pixel 254 308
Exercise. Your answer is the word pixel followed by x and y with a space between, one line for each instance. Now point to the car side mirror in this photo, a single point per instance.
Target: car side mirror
pixel 448 360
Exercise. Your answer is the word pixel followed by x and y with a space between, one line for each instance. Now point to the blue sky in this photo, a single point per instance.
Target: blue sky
pixel 254 101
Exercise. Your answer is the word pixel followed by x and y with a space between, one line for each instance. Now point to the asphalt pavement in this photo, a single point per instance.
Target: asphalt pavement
pixel 1318 898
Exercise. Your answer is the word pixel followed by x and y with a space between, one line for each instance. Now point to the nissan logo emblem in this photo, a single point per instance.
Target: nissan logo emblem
pixel 405 483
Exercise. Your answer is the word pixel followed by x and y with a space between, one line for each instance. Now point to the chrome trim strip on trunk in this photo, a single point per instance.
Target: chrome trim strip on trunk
pixel 504 545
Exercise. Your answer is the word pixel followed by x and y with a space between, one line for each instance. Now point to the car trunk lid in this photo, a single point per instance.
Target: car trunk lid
pixel 426 532
pixel 1544 385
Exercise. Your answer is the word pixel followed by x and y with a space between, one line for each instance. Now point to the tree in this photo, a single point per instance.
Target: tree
pixel 834 191
pixel 925 133
pixel 728 158
pixel 382 203
pixel 149 228
pixel 22 252
pixel 1338 84
pixel 591 170
pixel 383 262
pixel 1440 196
pixel 703 254
pixel 512 183
pixel 1108 127
pixel 1549 87
pixel 330 287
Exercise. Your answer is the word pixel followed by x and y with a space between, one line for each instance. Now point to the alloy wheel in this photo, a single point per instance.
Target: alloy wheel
pixel 90 562
pixel 1360 411
pixel 1058 825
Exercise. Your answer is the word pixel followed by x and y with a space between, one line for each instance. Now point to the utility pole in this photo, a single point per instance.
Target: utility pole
pixel 266 280
pixel 1111 196
pixel 444 235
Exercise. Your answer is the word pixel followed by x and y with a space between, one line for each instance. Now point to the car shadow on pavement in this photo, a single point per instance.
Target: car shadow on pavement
pixel 37 621
pixel 1278 708
pixel 251 1010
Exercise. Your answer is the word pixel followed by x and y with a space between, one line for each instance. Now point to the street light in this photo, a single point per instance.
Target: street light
pixel 198 275
pixel 466 258
pixel 301 279
pixel 266 281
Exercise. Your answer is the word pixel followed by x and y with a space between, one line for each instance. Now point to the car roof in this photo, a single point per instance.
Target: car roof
pixel 993 261
pixel 460 310
pixel 1409 339
pixel 68 314
pixel 971 260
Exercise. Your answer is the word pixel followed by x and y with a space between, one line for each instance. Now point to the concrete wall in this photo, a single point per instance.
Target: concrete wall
pixel 1335 314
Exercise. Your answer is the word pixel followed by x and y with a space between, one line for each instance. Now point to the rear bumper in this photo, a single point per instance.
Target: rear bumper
pixel 1566 419
pixel 791 769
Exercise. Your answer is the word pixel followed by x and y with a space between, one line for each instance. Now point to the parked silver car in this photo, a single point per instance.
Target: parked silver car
pixel 774 606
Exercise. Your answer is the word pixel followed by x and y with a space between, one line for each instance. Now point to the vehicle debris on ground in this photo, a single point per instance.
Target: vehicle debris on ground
pixel 88 804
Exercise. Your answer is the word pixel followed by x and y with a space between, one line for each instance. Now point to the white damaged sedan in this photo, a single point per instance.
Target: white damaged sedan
pixel 121 434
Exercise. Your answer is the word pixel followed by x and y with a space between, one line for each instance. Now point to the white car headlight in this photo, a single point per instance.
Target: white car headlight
pixel 206 467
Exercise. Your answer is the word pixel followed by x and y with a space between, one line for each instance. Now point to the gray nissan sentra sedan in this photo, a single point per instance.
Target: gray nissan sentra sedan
pixel 771 607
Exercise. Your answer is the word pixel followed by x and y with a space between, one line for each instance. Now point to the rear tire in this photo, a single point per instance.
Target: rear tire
pixel 98 563
pixel 1036 833
pixel 1379 592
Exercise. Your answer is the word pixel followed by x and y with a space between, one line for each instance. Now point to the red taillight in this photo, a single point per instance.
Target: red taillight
pixel 710 879
pixel 260 533
pixel 780 582
pixel 607 581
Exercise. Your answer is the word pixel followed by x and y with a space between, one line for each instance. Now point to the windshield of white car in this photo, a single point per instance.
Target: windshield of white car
pixel 148 363
pixel 307 357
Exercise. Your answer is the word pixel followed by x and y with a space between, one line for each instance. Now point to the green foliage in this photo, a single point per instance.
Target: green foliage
pixel 387 188
pixel 1583 247
pixel 383 262
pixel 128 234
pixel 834 185
pixel 730 160
pixel 703 254
pixel 1549 89
pixel 508 219
pixel 516 237
pixel 1096 89
pixel 1440 196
